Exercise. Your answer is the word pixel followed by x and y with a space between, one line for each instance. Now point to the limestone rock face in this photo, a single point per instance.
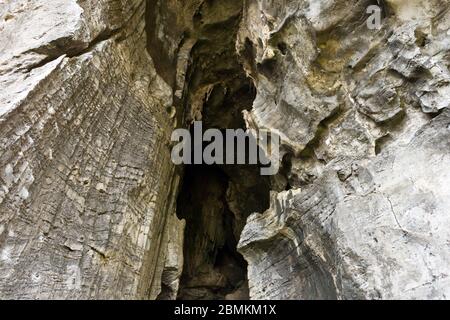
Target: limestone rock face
pixel 364 119
pixel 90 92
pixel 87 186
pixel 379 234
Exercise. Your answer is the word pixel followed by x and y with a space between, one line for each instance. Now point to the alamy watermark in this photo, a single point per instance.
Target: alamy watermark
pixel 231 147
pixel 227 147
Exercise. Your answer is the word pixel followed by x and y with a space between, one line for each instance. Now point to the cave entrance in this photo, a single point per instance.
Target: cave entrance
pixel 212 267
pixel 210 85
pixel 215 201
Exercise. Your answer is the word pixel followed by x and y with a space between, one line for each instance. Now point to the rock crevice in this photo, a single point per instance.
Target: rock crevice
pixel 91 206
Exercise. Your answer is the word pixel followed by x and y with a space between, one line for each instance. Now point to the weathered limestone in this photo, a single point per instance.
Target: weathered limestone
pixel 378 234
pixel 366 215
pixel 90 92
pixel 87 187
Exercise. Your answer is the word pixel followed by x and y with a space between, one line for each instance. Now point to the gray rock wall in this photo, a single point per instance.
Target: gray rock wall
pixel 87 186
pixel 90 92
pixel 364 119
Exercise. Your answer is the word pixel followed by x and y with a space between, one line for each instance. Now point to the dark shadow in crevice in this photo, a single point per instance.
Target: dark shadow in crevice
pixel 215 201
pixel 213 268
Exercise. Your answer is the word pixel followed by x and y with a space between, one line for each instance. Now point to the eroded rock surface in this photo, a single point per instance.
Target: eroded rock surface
pixel 87 187
pixel 367 165
pixel 90 92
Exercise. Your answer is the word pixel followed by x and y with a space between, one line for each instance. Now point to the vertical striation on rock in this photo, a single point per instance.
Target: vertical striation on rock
pixel 86 193
pixel 91 206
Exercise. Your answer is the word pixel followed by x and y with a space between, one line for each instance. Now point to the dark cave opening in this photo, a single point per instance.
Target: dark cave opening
pixel 212 267
pixel 198 58
pixel 215 201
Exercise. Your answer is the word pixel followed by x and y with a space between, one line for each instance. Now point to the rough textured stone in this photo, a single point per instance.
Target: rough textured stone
pixel 380 234
pixel 86 189
pixel 90 203
pixel 366 164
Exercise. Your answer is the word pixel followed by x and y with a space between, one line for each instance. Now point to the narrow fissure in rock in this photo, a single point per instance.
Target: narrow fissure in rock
pixel 215 201
pixel 211 86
